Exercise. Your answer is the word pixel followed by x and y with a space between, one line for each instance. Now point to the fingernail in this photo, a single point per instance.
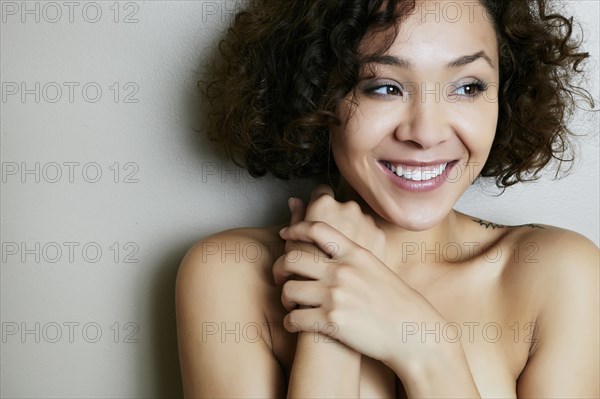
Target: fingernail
pixel 282 231
pixel 291 203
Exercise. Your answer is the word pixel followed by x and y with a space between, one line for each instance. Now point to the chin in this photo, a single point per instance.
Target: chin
pixel 417 221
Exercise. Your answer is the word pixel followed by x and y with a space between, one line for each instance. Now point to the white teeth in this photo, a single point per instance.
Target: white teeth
pixel 417 173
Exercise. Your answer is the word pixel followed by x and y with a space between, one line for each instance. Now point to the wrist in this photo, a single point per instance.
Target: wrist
pixel 443 369
pixel 332 368
pixel 321 343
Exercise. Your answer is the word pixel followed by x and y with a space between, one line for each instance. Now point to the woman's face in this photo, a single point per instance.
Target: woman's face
pixel 424 124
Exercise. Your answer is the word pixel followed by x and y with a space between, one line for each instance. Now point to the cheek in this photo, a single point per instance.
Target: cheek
pixel 351 149
pixel 339 143
pixel 489 121
pixel 347 139
pixel 477 127
pixel 363 131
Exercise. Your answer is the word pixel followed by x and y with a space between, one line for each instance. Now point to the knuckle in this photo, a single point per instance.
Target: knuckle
pixel 325 200
pixel 372 223
pixel 316 227
pixel 320 206
pixel 336 296
pixel 352 206
pixel 343 274
pixel 335 317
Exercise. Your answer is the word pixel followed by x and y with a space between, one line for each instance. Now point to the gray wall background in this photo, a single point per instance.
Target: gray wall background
pixel 106 183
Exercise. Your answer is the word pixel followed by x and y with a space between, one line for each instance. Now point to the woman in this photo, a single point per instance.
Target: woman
pixel 379 288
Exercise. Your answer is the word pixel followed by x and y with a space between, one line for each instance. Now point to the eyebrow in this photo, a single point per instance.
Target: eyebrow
pixel 404 63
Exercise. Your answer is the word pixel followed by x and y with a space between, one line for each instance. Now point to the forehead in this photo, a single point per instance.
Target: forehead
pixel 437 30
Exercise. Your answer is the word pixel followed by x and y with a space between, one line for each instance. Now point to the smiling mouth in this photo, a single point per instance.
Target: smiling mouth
pixel 417 173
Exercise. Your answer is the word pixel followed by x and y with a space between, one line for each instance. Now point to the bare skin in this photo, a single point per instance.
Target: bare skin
pixel 551 358
pixel 418 300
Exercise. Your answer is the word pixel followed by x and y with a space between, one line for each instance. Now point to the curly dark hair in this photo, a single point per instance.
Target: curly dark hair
pixel 286 65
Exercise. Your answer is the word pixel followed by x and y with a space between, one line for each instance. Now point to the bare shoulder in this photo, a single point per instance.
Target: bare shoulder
pixel 536 251
pixel 547 259
pixel 232 259
pixel 552 279
pixel 553 250
pixel 240 250
pixel 558 272
pixel 223 290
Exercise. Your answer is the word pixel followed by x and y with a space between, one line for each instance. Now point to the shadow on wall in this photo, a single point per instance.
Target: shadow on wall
pixel 167 378
pixel 164 323
pixel 165 357
pixel 167 381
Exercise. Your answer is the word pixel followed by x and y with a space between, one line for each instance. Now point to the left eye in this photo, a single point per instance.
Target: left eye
pixel 470 89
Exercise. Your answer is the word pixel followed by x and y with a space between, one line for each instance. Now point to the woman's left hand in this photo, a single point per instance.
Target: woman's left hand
pixel 353 296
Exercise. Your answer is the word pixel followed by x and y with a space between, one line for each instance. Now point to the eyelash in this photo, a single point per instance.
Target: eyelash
pixel 370 89
pixel 479 85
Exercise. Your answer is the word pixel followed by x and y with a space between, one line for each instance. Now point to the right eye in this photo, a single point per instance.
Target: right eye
pixel 386 90
pixel 383 88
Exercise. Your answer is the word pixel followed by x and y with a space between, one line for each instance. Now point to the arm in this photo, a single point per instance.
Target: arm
pixel 332 368
pixel 368 302
pixel 360 299
pixel 565 359
pixel 444 375
pixel 215 294
pixel 324 368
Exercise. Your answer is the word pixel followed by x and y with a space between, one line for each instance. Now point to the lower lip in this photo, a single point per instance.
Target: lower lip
pixel 419 186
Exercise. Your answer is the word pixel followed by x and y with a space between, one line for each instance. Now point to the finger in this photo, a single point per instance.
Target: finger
pixel 299 264
pixel 297 209
pixel 326 238
pixel 310 320
pixel 304 319
pixel 298 270
pixel 308 247
pixel 302 293
pixel 320 190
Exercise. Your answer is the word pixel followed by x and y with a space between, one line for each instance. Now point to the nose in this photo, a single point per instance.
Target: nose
pixel 426 124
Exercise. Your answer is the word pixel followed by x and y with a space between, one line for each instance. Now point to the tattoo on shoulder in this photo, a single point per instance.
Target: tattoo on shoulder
pixel 501 226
